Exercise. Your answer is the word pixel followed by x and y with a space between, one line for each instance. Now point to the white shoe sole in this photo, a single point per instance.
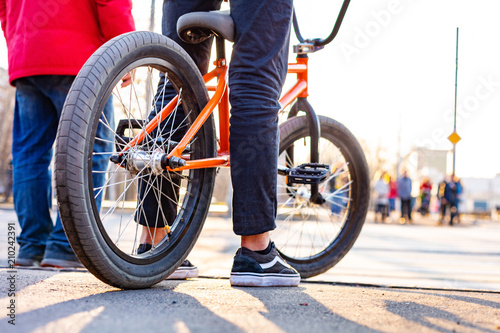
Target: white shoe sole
pixel 263 280
pixel 61 263
pixel 183 273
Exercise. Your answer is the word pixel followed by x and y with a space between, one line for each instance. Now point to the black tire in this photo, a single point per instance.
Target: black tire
pixel 106 240
pixel 315 237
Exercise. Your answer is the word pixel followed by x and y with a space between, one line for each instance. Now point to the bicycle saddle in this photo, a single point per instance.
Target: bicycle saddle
pixel 194 28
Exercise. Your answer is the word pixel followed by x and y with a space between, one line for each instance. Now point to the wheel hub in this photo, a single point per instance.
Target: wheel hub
pixel 303 194
pixel 139 160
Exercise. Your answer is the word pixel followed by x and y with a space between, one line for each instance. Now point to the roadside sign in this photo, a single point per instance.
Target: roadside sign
pixel 454 138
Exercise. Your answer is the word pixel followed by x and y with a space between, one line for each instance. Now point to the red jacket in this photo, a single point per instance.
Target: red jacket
pixel 57 36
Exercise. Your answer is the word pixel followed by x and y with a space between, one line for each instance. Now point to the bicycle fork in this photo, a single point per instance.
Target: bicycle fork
pixel 312 173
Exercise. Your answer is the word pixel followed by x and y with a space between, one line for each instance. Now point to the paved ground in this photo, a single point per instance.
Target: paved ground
pixel 397 278
pixel 77 302
pixel 466 256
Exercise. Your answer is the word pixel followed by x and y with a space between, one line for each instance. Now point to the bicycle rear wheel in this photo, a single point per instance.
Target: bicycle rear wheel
pixel 133 188
pixel 313 237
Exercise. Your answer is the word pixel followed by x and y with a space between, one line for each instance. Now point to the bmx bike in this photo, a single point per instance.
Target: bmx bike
pixel 323 182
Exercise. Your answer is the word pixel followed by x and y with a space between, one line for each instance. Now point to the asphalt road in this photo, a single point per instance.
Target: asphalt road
pixel 397 278
pixel 76 302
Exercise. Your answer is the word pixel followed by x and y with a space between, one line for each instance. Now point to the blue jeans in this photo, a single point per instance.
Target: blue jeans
pixel 39 102
pixel 256 75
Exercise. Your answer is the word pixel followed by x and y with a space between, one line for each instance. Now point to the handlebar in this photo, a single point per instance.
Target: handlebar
pixel 318 42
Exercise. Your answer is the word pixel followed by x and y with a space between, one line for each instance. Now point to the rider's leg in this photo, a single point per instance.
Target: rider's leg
pixel 256 75
pixel 152 217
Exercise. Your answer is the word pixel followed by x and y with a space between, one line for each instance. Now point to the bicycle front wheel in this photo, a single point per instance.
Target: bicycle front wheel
pixel 314 236
pixel 104 206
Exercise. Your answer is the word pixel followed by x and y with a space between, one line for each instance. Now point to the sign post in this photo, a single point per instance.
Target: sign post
pixel 454 137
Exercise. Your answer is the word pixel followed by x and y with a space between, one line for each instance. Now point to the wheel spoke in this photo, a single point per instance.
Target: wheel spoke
pixel 123 185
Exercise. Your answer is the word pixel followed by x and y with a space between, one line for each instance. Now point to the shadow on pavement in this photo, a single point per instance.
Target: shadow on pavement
pixel 432 317
pixel 158 309
pixel 437 319
pixel 313 314
pixel 24 278
pixel 467 299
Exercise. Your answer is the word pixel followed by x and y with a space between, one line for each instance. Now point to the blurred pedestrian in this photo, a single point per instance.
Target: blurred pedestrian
pixel 338 193
pixel 425 196
pixel 404 193
pixel 381 189
pixel 455 190
pixel 393 194
pixel 443 202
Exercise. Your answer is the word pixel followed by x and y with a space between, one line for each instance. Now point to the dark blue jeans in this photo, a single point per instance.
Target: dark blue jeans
pixel 39 102
pixel 256 75
pixel 406 208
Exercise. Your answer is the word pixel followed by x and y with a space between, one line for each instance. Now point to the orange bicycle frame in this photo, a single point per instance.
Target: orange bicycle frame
pixel 220 99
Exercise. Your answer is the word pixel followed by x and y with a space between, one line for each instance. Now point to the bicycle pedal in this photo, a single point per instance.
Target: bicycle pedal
pixel 309 173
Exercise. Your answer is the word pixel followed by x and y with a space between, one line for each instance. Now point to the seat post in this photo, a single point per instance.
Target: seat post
pixel 220 47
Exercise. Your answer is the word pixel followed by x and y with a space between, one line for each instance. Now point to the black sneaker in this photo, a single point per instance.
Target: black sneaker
pixel 143 248
pixel 262 270
pixel 185 271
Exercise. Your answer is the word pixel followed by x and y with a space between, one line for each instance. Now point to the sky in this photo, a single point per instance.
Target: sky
pixel 389 76
pixel 391 72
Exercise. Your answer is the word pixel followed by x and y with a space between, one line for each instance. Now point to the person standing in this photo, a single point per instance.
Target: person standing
pixel 425 196
pixel 48 43
pixel 404 193
pixel 443 188
pixel 256 75
pixel 393 194
pixel 454 191
pixel 382 190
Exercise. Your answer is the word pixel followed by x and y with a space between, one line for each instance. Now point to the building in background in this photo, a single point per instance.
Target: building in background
pixel 423 162
pixel 481 196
